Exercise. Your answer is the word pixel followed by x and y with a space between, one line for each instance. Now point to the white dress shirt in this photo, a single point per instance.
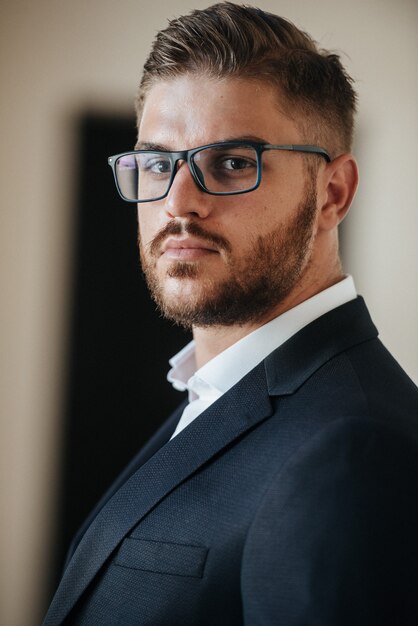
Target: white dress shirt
pixel 210 382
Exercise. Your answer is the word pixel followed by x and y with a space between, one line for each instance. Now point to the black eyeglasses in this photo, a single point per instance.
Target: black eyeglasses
pixel 220 169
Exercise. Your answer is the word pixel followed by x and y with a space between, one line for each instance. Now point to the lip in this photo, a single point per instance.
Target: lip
pixel 188 248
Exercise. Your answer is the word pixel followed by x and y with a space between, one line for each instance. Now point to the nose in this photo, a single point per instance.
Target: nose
pixel 186 197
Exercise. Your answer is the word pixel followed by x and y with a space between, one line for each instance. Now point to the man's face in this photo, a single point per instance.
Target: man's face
pixel 223 260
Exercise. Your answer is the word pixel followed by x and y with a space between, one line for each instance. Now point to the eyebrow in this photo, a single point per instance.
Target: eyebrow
pixel 158 147
pixel 146 145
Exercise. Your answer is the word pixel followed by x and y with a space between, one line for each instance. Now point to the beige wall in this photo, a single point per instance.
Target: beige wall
pixel 57 57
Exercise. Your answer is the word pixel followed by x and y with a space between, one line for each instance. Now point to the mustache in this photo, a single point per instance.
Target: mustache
pixel 189 228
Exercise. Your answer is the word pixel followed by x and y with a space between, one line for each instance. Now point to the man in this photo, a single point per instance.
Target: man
pixel 285 492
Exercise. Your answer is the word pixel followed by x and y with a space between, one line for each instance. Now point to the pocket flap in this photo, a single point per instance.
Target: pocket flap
pixel 165 558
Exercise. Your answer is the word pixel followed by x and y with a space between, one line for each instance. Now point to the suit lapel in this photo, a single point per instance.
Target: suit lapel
pixel 159 439
pixel 233 414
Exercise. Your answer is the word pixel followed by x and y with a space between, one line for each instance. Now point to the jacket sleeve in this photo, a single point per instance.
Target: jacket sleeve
pixel 335 539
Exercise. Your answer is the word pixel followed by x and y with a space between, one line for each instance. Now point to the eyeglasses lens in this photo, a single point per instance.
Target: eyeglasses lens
pixel 144 175
pixel 227 169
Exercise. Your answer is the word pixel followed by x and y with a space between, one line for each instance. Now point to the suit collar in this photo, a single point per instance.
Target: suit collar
pixel 288 367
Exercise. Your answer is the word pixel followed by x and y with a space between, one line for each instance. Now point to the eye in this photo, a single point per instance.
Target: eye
pixel 155 164
pixel 236 163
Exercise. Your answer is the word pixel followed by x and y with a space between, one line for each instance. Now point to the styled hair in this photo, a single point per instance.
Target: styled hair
pixel 239 41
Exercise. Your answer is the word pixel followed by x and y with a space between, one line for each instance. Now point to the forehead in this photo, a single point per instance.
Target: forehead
pixel 189 111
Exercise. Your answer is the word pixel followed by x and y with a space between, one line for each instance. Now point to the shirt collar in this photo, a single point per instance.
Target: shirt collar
pixel 227 368
pixel 183 366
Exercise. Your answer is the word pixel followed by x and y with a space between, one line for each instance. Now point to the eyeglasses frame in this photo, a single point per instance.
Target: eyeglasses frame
pixel 187 157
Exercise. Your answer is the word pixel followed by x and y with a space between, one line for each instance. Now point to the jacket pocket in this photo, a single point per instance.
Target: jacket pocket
pixel 165 558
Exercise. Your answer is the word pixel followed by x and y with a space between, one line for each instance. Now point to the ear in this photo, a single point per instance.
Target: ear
pixel 337 185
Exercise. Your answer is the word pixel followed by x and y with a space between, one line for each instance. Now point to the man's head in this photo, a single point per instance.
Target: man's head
pixel 231 72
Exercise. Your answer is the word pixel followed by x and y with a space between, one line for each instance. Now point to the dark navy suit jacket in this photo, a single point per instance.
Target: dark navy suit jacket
pixel 291 501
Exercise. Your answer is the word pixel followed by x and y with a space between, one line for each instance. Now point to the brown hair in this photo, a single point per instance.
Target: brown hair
pixel 229 40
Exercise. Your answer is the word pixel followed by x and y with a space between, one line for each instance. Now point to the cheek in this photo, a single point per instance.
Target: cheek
pixel 149 223
pixel 257 217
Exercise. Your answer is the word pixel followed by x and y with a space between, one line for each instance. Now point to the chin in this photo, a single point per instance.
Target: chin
pixel 180 291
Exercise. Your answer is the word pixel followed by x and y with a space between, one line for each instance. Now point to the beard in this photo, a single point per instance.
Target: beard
pixel 256 283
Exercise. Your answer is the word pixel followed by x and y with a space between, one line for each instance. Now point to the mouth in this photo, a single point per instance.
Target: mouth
pixel 187 249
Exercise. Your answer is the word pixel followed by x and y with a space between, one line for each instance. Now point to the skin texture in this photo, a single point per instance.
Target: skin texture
pixel 227 265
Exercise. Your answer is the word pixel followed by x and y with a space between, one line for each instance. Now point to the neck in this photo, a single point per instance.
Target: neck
pixel 211 341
